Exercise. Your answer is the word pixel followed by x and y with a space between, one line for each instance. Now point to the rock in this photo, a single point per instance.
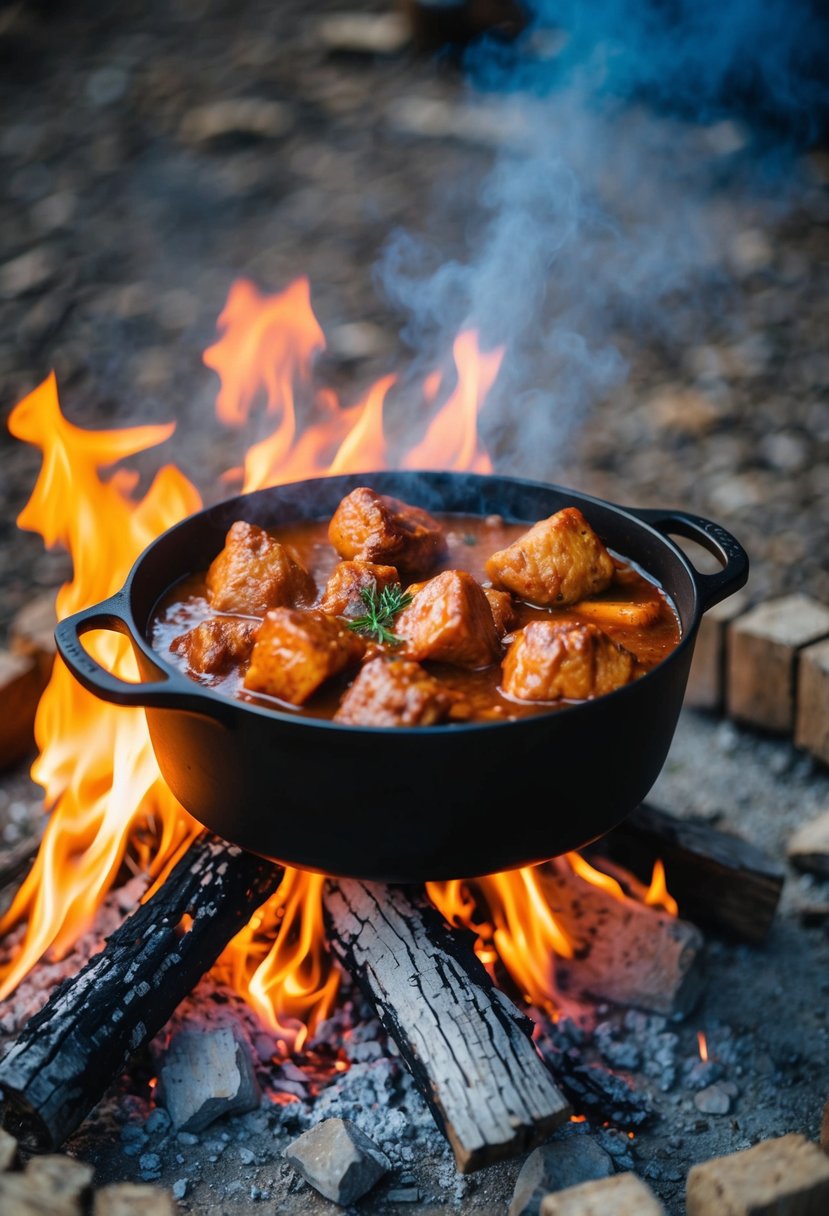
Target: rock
pixel 714 1100
pixel 556 1166
pixel 30 271
pixel 621 1195
pixel 403 1194
pixel 338 1160
pixel 364 33
pixel 59 1180
pixel 236 116
pixel 206 1074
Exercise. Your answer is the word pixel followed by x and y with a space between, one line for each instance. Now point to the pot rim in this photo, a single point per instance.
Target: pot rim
pixel 178 690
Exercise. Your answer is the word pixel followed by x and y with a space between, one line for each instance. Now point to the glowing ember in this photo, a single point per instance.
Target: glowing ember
pixel 107 803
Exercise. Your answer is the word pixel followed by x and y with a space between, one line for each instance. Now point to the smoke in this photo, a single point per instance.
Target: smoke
pixel 600 223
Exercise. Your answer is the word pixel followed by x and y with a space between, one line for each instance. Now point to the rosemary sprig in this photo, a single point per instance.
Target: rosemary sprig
pixel 380 612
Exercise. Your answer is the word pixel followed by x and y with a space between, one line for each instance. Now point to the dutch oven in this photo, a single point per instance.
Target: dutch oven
pixel 409 804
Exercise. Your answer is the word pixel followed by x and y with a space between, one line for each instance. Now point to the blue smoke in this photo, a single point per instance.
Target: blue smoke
pixel 764 59
pixel 602 215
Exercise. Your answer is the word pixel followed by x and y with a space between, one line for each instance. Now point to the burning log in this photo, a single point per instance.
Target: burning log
pixel 625 952
pixel 71 1050
pixel 719 880
pixel 466 1044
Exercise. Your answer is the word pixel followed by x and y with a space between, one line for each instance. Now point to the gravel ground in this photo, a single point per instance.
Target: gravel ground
pixel 661 285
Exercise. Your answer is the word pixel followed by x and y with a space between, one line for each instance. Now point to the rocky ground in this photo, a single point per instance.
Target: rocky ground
pixel 661 285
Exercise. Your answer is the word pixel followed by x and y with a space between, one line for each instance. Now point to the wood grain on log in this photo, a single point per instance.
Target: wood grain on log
pixel 69 1053
pixel 624 951
pixel 468 1047
pixel 719 880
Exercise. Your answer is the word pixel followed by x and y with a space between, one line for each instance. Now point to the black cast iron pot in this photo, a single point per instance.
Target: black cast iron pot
pixel 407 805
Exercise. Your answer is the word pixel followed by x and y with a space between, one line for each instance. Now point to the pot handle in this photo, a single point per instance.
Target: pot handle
pixel 171 692
pixel 726 548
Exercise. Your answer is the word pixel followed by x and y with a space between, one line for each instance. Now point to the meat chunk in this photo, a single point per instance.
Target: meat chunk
pixel 450 621
pixel 394 692
pixel 373 527
pixel 342 595
pixel 550 660
pixel 216 645
pixel 558 561
pixel 503 609
pixel 297 651
pixel 254 572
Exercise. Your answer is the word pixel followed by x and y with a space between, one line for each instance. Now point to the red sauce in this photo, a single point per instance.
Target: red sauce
pixel 472 539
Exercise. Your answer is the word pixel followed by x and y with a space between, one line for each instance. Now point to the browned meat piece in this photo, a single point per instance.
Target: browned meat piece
pixel 558 561
pixel 216 645
pixel 376 528
pixel 254 572
pixel 550 660
pixel 450 621
pixel 296 652
pixel 503 609
pixel 342 591
pixel 394 692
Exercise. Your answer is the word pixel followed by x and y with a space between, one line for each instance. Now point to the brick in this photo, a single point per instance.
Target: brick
pixel 762 651
pixel 812 717
pixel 808 847
pixel 8 1151
pixel 621 1195
pixel 62 1180
pixel 132 1199
pixel 788 1176
pixel 706 680
pixel 21 687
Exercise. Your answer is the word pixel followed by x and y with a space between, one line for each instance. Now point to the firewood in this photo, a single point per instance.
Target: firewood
pixel 468 1047
pixel 132 1199
pixel 811 730
pixel 21 687
pixel 621 1195
pixel 788 1176
pixel 706 680
pixel 624 952
pixel 719 880
pixel 763 647
pixel 808 848
pixel 73 1049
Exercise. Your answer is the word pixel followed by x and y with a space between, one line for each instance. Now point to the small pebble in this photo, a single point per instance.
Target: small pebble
pixel 713 1100
pixel 149 1161
pixel 179 1188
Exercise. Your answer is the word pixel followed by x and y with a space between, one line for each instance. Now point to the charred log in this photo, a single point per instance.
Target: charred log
pixel 719 880
pixel 468 1047
pixel 69 1053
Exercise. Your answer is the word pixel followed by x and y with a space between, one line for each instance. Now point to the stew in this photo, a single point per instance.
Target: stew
pixel 388 616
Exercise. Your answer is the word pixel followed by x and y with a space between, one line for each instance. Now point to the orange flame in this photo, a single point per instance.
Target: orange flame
pixel 658 895
pixel 703 1045
pixel 106 798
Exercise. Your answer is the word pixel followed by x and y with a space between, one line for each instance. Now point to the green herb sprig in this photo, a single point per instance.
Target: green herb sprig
pixel 380 612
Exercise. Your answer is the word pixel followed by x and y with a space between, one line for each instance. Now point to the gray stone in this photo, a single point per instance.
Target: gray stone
pixel 338 1160
pixel 207 1074
pixel 713 1101
pixel 553 1167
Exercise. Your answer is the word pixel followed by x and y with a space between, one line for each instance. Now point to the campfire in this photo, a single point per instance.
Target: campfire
pixel 475 980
